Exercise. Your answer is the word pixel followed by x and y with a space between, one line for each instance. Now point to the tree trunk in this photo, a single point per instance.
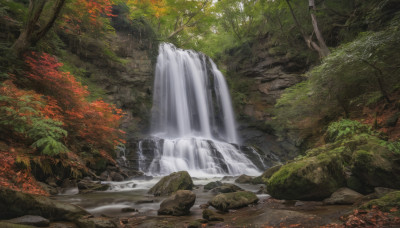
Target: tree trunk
pixel 310 43
pixel 324 50
pixel 29 36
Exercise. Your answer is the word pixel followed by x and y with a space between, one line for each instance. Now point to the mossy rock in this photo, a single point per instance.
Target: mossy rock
pixel 212 185
pixel 375 165
pixel 385 203
pixel 15 204
pixel 244 179
pixel 226 188
pixel 210 215
pixel 313 178
pixel 233 200
pixel 172 183
pixel 263 179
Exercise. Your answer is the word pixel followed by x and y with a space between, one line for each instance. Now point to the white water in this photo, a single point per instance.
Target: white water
pixel 193 122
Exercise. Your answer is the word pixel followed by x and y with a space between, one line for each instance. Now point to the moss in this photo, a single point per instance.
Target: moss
pixel 233 200
pixel 385 203
pixel 11 225
pixel 172 183
pixel 313 178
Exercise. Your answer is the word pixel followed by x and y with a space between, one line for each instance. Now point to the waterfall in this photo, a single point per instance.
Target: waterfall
pixel 193 124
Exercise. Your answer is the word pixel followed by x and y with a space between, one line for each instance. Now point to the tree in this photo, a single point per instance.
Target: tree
pixel 321 47
pixel 30 35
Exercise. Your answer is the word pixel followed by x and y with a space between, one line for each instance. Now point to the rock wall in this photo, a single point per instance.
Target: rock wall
pixel 266 71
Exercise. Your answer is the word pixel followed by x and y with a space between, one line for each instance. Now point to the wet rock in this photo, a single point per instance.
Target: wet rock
pixel 49 189
pixel 380 191
pixel 104 176
pixel 226 188
pixel 212 185
pixel 145 201
pixel 68 183
pixel 244 179
pixel 204 206
pixel 116 176
pixel 262 190
pixel 172 183
pixel 210 215
pixel 14 204
pixel 178 204
pixel 129 209
pixel 98 222
pixel 86 186
pixel 228 178
pixel 233 200
pixel 298 204
pixel 32 220
pixel 343 196
pixel 52 182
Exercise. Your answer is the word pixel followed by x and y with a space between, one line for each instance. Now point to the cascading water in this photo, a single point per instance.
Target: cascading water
pixel 193 124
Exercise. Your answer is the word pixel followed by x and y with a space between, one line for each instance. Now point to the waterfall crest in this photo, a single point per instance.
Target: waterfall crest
pixel 193 124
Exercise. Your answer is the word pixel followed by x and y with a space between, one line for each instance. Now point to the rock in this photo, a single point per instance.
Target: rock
pixel 380 191
pixel 129 209
pixel 197 223
pixel 49 189
pixel 212 185
pixel 86 186
pixel 52 182
pixel 178 204
pixel 343 196
pixel 257 180
pixel 15 204
pixel 204 206
pixel 209 215
pixel 116 176
pixel 244 179
pixel 298 204
pixel 67 183
pixel 228 178
pixel 233 200
pixel 312 178
pixel 4 224
pixel 144 201
pixel 225 188
pixel 268 173
pixel 172 183
pixel 98 222
pixel 261 190
pixel 104 176
pixel 32 220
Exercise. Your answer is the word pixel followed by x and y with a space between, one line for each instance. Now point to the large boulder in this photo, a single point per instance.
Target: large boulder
pixel 172 183
pixel 15 204
pixel 313 178
pixel 178 204
pixel 233 200
pixel 343 196
pixel 244 179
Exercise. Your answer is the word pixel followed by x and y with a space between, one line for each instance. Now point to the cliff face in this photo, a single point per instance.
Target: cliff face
pixel 265 71
pixel 122 72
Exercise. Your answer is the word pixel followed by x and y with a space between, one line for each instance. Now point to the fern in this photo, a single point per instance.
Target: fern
pixel 346 128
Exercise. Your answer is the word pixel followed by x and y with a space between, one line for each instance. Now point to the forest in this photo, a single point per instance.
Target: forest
pixel 199 113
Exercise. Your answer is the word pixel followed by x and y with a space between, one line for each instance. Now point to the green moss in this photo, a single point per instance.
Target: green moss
pixel 172 183
pixel 11 225
pixel 233 200
pixel 385 203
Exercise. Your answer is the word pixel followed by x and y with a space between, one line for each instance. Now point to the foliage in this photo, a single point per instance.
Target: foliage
pixel 87 16
pixel 26 114
pixel 345 128
pixel 96 122
pixel 344 81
